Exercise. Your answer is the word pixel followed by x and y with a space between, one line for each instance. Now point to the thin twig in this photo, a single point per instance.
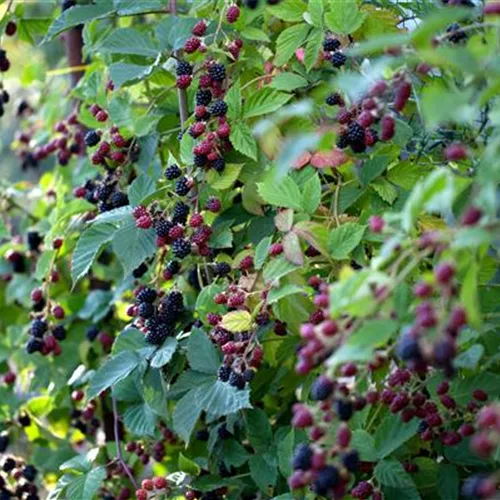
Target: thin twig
pixel 118 445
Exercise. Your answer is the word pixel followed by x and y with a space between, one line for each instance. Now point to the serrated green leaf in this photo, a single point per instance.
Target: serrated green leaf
pixel 313 47
pixel 288 82
pixel 219 398
pixel 285 194
pixel 392 473
pixel 289 41
pixel 372 168
pixel 185 416
pixel 201 353
pixel 227 178
pixel 262 472
pixel 344 17
pixel 85 487
pixel 311 194
pixel 261 252
pixel 237 321
pixel 233 101
pixel 344 239
pixel 276 294
pixel 288 10
pixel 140 420
pixel 128 41
pixel 142 187
pixel 385 190
pixel 264 101
pixel 164 354
pixel 188 466
pixel 277 268
pixel 392 433
pixel 243 141
pixel 259 429
pixel 448 482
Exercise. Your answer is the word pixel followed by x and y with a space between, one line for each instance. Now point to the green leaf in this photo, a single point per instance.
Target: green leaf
pixel 288 10
pixel 121 73
pixel 233 101
pixel 262 472
pixel 87 248
pixel 364 443
pixel 133 245
pixel 227 178
pixel 115 369
pixel 264 101
pixel 259 429
pixel 277 268
pixel 448 482
pixel 344 17
pixel 219 398
pixel 372 168
pixel 201 353
pixel 470 358
pixel 243 141
pixel 315 9
pixel 344 239
pixel 289 41
pixel 44 264
pixel 288 82
pixel 128 41
pixel 285 453
pixel 188 466
pixel 186 415
pixel 234 455
pixel 187 144
pixel 205 301
pixel 469 295
pixel 140 420
pixel 361 344
pixel 385 190
pixel 311 194
pixel 172 32
pixel 154 391
pixel 406 174
pixel 276 294
pixel 313 47
pixel 80 463
pixel 133 7
pixel 85 487
pixel 115 215
pixel 142 187
pixel 261 252
pixel 163 355
pixel 292 249
pixel 130 339
pixel 285 193
pixel 392 433
pixel 237 321
pixel 251 33
pixel 392 473
pixel 79 14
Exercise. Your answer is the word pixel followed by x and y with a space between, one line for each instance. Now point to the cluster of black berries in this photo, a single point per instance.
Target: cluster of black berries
pixel 157 315
pixel 332 52
pixel 455 34
pixel 103 192
pixel 45 337
pixel 68 141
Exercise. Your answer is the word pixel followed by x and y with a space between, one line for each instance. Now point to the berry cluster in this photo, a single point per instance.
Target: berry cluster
pixel 332 52
pixel 152 487
pixel 156 314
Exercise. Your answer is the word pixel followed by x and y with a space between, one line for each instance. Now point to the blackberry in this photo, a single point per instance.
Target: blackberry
pixel 146 310
pixel 38 327
pixel 203 97
pixel 92 138
pixel 103 192
pixel 173 267
pixel 174 302
pixel 321 389
pixel 237 380
pixel 182 186
pixel 24 420
pixel 456 34
pixel 342 141
pixel 422 426
pixel 67 4
pixel 163 227
pixel 327 478
pixel 202 435
pixel 334 100
pixel 358 147
pixel 181 248
pixel 356 133
pixel 158 334
pixel 302 457
pixel 172 172
pixel 217 72
pixel 4 442
pixel 140 271
pixel 183 68
pixel 222 432
pixel 218 108
pixel 408 349
pixel 248 375
pixel 338 59
pixel 5 97
pixel 252 4
pixel 181 212
pixel 29 473
pixel 104 206
pixel 146 295
pixel 34 240
pixel 331 44
pixel 219 165
pixel 119 199
pixel 222 269
pixel 59 332
pixel 9 464
pixel 350 460
pixel 473 485
pixel 343 409
pixel 92 333
pixel 224 373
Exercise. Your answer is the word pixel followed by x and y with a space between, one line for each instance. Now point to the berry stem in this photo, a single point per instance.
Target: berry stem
pixel 118 444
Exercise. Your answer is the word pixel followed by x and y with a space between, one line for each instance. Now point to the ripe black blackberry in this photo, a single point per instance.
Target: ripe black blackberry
pixel 67 4
pixel 92 333
pixel 181 248
pixel 103 192
pixel 248 375
pixel 202 435
pixel 224 373
pixel 203 97
pixel 328 477
pixel 5 97
pixel 181 212
pixel 334 99
pixel 182 186
pixel 104 206
pixel 350 459
pixel 29 472
pixel 158 334
pixel 173 267
pixel 34 240
pixel 59 332
pixel 183 68
pixel 4 442
pixel 356 133
pixel 342 141
pixel 217 72
pixel 222 269
pixel 358 147
pixel 9 464
pixel 219 165
pixel 331 44
pixel 175 301
pixel 218 108
pixel 163 227
pixel 34 344
pixel 200 160
pixel 146 310
pixel 146 295
pixel 237 380
pixel 119 199
pixel 338 59
pixel 343 409
pixel 140 271
pixel 92 138
pixel 38 327
pixel 24 420
pixel 172 172
pixel 455 33
pixel 302 457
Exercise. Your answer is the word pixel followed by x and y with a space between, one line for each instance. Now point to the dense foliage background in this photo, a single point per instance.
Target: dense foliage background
pixel 249 251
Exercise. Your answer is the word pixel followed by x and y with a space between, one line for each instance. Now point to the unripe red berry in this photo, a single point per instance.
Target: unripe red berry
pixel 36 295
pixel 482 445
pixel 101 116
pixel 466 430
pixel 492 9
pixel 10 28
pixel 147 484
pixel 471 216
pixel 444 272
pixel 376 224
pixel 343 436
pixel 455 152
pixel 58 312
pixel 159 483
pixel 275 249
pixel 57 243
pixel 192 44
pixel 118 156
pixel 9 378
pixel 77 395
pixel 480 395
pixel 422 290
pixel 199 28
pixel 144 222
pixel 183 81
pixel 141 494
pixel 442 388
pixel 387 126
pixel 119 141
pixel 233 13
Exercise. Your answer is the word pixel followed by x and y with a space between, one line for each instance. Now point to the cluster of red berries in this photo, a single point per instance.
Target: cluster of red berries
pixel 487 440
pixel 82 416
pixel 151 487
pixel 68 141
pixel 157 450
